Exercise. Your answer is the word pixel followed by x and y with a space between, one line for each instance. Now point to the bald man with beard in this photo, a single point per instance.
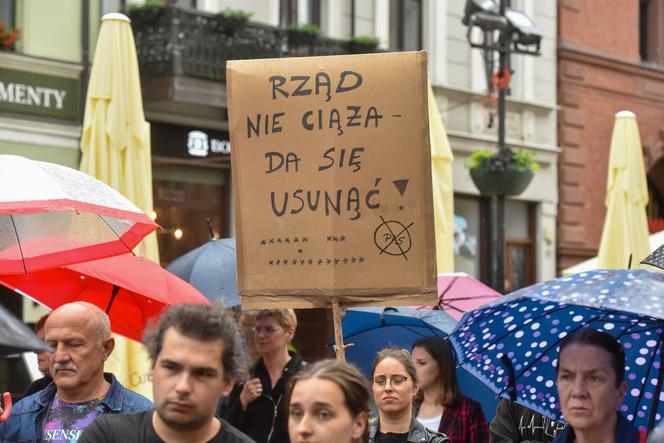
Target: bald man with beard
pixel 80 335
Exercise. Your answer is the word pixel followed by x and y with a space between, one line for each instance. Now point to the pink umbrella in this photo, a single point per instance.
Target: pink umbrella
pixel 459 293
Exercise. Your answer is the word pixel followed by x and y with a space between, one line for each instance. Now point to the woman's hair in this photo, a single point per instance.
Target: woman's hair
pixel 442 353
pixel 285 317
pixel 602 340
pixel 399 354
pixel 347 377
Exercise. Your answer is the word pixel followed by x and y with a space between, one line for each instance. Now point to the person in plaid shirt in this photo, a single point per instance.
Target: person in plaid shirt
pixel 439 404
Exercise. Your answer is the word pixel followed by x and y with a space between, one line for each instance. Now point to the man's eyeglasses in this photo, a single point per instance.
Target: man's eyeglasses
pixel 267 330
pixel 395 380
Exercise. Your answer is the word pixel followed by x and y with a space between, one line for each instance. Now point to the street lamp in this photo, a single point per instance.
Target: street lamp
pixel 505 31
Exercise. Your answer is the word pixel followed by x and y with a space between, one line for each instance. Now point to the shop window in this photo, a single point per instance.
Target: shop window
pixel 406 25
pixel 472 236
pixel 473 252
pixel 520 231
pixel 292 12
pixel 655 208
pixel 182 209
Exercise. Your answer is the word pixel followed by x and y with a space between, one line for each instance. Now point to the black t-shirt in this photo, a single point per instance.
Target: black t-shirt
pixel 137 428
pixel 391 437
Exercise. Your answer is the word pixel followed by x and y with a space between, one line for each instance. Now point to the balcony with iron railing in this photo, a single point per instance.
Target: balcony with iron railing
pixel 175 41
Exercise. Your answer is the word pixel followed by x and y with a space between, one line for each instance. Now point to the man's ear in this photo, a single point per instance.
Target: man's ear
pixel 108 345
pixel 229 382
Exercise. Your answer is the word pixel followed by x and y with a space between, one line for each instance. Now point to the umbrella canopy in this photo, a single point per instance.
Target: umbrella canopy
pixel 443 194
pixel 526 327
pixel 459 293
pixel 51 215
pixel 15 337
pixel 655 259
pixel 212 269
pixel 625 232
pixel 115 148
pixel 115 143
pixel 654 240
pixel 130 289
pixel 372 329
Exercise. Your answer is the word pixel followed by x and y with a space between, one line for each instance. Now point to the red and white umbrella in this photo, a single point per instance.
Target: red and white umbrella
pixel 51 215
pixel 132 290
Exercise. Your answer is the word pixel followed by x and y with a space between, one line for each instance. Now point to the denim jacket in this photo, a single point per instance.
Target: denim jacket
pixel 26 423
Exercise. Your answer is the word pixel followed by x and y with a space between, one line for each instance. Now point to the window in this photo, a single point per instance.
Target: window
pixel 7 9
pixel 182 208
pixel 520 226
pixel 644 6
pixel 472 234
pixel 651 36
pixel 406 24
pixel 292 12
pixel 655 208
pixel 473 249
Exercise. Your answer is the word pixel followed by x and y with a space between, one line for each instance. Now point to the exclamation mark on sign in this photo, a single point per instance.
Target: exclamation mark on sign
pixel 401 187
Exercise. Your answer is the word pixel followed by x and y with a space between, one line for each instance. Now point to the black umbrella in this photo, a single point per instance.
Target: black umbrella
pixel 15 337
pixel 656 258
pixel 211 269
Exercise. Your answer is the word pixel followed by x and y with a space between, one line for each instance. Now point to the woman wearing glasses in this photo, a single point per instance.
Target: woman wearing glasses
pixel 328 403
pixel 257 407
pixel 439 404
pixel 394 384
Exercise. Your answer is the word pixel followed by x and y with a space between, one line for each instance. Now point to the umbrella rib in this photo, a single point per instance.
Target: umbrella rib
pixel 508 333
pixel 441 297
pixel 660 376
pixel 116 234
pixel 553 345
pixel 426 325
pixel 18 242
pixel 652 357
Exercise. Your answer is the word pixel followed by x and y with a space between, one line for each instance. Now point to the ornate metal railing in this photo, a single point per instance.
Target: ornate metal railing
pixel 179 41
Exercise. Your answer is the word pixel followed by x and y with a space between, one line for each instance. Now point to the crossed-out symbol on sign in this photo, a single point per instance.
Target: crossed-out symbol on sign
pixel 396 245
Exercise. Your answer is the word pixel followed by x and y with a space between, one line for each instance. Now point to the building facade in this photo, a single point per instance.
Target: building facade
pixel 602 72
pixel 183 46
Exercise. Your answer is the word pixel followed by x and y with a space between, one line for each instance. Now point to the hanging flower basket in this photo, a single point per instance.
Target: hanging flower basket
pixel 502 173
pixel 507 182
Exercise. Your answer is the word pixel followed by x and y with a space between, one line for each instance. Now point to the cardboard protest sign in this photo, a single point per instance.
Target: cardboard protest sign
pixel 332 180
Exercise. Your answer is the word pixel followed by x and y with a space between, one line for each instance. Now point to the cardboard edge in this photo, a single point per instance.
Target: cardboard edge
pixel 348 301
pixel 236 153
pixel 430 266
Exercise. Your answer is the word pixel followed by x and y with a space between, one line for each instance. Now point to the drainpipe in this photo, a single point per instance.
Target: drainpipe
pixel 85 52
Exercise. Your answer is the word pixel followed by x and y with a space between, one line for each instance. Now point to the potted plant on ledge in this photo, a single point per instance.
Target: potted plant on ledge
pixel 505 172
pixel 363 44
pixel 8 37
pixel 233 20
pixel 301 38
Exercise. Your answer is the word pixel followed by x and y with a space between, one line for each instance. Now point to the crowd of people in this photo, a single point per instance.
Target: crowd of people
pixel 206 390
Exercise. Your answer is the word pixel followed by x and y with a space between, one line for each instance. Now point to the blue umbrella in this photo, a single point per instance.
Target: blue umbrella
pixel 372 329
pixel 211 269
pixel 512 344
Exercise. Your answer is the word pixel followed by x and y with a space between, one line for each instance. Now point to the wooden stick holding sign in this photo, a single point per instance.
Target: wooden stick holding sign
pixel 339 347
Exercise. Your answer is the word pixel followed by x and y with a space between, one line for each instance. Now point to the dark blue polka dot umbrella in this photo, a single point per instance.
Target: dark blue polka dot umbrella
pixel 512 344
